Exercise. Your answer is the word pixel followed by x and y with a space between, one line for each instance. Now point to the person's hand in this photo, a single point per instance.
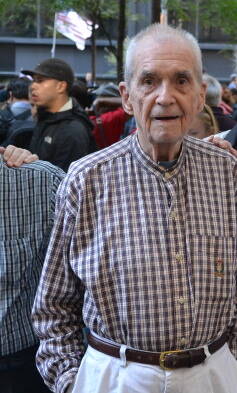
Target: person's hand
pixel 15 156
pixel 222 143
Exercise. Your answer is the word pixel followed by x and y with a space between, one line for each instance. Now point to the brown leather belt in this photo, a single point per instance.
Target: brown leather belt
pixel 167 360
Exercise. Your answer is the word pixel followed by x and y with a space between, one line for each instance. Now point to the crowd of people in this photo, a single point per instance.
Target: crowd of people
pixel 93 117
pixel 67 120
pixel 118 222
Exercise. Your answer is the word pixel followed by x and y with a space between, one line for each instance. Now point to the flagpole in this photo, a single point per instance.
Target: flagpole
pixel 164 13
pixel 54 36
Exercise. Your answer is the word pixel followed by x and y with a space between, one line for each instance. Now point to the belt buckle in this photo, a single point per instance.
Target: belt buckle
pixel 163 356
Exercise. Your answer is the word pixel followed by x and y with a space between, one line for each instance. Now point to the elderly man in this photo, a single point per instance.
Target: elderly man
pixel 143 250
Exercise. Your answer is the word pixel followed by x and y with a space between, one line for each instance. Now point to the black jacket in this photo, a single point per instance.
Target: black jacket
pixel 63 137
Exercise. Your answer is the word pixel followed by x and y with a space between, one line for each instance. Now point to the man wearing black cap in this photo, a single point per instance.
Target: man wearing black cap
pixel 63 131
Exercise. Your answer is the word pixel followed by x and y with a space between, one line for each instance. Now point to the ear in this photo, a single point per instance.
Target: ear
pixel 124 92
pixel 62 86
pixel 202 96
pixel 10 96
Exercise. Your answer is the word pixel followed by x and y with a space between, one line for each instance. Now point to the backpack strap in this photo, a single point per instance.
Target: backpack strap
pixel 23 115
pixel 6 115
pixel 9 122
pixel 6 119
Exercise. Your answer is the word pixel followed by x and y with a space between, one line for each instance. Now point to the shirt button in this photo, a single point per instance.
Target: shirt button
pixel 174 216
pixel 179 258
pixel 181 300
pixel 183 341
pixel 167 175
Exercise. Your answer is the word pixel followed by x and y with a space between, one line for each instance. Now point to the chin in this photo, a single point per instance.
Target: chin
pixel 162 138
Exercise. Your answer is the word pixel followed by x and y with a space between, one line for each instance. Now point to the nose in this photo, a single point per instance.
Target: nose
pixel 32 86
pixel 164 94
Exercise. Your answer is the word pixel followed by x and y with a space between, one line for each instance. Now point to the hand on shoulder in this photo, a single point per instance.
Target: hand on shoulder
pixel 222 143
pixel 15 156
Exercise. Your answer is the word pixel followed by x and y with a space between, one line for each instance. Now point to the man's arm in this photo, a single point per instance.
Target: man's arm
pixel 15 156
pixel 233 333
pixel 232 329
pixel 57 311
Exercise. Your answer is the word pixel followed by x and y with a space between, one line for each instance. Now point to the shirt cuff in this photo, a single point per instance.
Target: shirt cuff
pixel 66 381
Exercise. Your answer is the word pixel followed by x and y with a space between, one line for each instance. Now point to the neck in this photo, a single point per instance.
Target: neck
pixel 162 151
pixel 57 105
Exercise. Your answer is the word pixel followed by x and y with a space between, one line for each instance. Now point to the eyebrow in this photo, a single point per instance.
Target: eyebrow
pixel 184 74
pixel 145 74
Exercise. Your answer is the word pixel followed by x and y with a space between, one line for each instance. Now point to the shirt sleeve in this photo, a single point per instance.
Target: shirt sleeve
pixel 57 310
pixel 57 178
pixel 233 333
pixel 232 330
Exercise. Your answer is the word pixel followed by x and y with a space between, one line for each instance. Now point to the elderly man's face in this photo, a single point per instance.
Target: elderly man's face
pixel 164 96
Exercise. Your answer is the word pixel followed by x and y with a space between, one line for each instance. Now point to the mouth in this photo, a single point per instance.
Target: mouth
pixel 166 118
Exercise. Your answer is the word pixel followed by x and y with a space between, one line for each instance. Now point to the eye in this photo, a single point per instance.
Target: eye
pixel 182 81
pixel 148 81
pixel 39 79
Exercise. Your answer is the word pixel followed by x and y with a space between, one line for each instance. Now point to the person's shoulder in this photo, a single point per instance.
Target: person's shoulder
pixel 102 157
pixel 44 167
pixel 6 115
pixel 200 147
pixel 39 168
pixel 74 120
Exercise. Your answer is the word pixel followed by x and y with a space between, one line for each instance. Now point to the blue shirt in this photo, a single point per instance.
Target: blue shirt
pixel 27 196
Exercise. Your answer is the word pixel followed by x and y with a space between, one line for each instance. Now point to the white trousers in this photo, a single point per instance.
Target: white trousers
pixel 100 373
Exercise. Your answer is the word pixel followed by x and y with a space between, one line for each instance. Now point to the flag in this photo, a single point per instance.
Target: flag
pixel 74 27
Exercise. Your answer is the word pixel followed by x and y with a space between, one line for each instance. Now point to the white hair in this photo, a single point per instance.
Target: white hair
pixel 158 32
pixel 214 90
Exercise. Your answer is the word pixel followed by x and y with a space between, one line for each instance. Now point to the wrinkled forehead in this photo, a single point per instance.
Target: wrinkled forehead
pixel 168 48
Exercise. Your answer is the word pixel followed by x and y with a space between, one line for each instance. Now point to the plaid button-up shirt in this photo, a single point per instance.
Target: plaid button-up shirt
pixel 145 256
pixel 27 202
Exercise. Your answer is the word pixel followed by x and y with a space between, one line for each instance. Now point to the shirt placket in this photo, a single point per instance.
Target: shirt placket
pixel 182 289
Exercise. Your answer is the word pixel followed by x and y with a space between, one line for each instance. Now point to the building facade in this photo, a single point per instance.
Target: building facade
pixel 19 52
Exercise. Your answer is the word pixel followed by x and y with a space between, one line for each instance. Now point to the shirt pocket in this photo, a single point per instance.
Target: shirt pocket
pixel 213 266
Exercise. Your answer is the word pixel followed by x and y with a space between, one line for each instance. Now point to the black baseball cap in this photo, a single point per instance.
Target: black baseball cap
pixel 55 69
